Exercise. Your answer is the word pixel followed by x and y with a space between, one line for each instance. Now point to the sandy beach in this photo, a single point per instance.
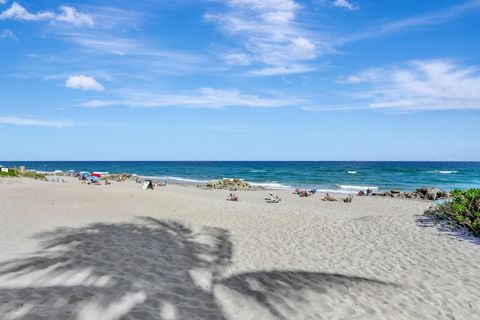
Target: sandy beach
pixel 73 251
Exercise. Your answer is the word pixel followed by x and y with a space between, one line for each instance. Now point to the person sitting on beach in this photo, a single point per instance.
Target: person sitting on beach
pixel 313 190
pixel 276 199
pixel 369 192
pixel 328 197
pixel 348 199
pixel 233 197
pixel 304 194
pixel 273 199
pixel 361 193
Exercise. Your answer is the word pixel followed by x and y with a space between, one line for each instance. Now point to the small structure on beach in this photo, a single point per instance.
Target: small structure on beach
pixel 147 185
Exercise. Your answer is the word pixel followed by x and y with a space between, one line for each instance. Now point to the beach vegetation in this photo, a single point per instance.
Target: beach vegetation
pixel 462 210
pixel 10 173
pixel 34 175
pixel 28 174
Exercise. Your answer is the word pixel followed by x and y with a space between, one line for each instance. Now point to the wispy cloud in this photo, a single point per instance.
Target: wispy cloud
pixel 427 19
pixel 83 83
pixel 345 4
pixel 7 34
pixel 282 70
pixel 72 16
pixel 268 32
pixel 202 98
pixel 18 121
pixel 66 15
pixel 420 85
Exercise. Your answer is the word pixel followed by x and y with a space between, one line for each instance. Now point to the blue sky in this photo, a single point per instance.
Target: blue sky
pixel 240 80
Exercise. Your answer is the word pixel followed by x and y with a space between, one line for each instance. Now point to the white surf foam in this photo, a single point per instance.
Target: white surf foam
pixel 443 171
pixel 337 191
pixel 177 179
pixel 352 172
pixel 348 187
pixel 271 185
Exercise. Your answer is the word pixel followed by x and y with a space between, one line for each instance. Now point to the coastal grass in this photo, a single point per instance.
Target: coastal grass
pixel 29 174
pixel 463 210
pixel 10 173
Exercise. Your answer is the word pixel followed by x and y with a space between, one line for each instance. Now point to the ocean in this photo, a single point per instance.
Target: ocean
pixel 337 176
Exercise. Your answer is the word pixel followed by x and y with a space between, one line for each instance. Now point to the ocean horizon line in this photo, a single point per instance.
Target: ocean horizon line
pixel 373 161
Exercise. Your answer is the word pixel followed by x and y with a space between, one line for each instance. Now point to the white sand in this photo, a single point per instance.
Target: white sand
pixel 299 259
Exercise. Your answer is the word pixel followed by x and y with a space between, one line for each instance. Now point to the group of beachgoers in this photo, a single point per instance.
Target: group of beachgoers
pixel 270 199
pixel 301 192
pixel 361 193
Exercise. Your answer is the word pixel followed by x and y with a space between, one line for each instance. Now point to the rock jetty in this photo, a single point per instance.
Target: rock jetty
pixel 231 184
pixel 421 193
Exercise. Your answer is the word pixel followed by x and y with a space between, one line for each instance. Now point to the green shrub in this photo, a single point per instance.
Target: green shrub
pixel 28 174
pixel 34 175
pixel 10 173
pixel 463 210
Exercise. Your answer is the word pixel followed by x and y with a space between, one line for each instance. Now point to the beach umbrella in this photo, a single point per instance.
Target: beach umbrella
pixel 96 175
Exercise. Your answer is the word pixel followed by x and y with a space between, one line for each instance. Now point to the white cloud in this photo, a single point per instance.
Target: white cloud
pixel 17 12
pixel 202 98
pixel 421 85
pixel 72 16
pixel 236 58
pixel 35 122
pixel 427 19
pixel 7 34
pixel 267 31
pixel 3 1
pixel 83 83
pixel 371 75
pixel 282 70
pixel 67 15
pixel 345 4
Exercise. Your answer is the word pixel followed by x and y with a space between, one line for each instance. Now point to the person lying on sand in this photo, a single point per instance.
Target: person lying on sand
pixel 305 193
pixel 328 197
pixel 273 199
pixel 161 184
pixel 233 197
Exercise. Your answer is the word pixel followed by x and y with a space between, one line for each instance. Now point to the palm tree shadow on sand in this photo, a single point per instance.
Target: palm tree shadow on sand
pixel 151 270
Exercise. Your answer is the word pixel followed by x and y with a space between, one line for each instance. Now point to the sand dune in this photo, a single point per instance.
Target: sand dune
pixel 71 251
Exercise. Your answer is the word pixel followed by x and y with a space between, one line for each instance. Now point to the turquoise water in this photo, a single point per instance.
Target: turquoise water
pixel 336 176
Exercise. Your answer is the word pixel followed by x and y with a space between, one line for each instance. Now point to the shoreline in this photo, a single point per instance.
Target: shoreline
pixel 339 177
pixel 272 185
